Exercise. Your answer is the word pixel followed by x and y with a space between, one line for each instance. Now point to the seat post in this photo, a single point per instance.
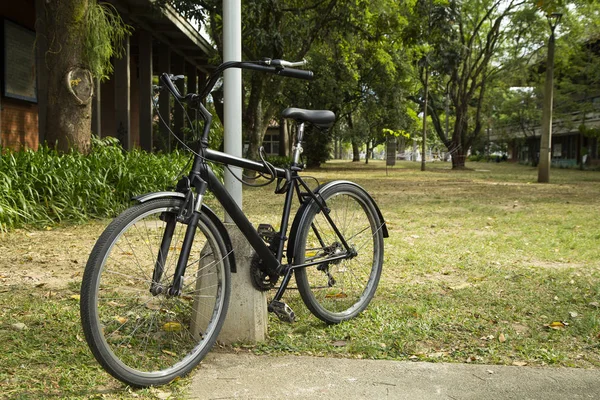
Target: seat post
pixel 298 147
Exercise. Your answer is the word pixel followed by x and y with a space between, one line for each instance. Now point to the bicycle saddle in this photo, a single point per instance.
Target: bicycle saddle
pixel 321 118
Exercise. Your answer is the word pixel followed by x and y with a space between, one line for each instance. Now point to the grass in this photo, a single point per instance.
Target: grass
pixel 478 266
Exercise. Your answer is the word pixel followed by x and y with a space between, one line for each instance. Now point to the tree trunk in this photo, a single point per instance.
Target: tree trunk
pixel 70 86
pixel 355 152
pixel 459 156
pixel 368 153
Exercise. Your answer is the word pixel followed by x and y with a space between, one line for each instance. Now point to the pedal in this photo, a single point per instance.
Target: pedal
pixel 283 311
pixel 266 232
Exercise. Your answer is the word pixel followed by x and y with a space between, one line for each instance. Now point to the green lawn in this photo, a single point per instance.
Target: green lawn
pixel 482 266
pixel 478 267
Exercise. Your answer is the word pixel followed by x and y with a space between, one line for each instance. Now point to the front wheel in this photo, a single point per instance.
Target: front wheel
pixel 137 331
pixel 343 284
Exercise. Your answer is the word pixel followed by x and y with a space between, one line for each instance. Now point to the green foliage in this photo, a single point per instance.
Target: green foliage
pixel 44 187
pixel 105 31
pixel 316 147
pixel 280 161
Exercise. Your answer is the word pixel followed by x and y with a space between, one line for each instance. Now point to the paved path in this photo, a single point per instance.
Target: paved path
pixel 246 376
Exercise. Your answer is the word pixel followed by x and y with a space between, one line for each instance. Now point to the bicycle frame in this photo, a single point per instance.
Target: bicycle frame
pixel 202 178
pixel 270 259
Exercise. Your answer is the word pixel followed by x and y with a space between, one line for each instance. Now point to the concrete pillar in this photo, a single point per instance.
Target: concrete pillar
pixel 164 101
pixel 145 68
pixel 178 63
pixel 123 96
pixel 247 316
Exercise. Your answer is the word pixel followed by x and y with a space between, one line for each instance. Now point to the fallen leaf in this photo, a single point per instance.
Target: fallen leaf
pixel 573 314
pixel 169 353
pixel 340 295
pixel 594 304
pixel 339 343
pixel 76 297
pixel 172 327
pixel 519 363
pixel 557 325
pixel 121 320
pixel 501 338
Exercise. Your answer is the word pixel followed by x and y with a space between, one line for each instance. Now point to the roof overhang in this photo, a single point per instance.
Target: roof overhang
pixel 170 28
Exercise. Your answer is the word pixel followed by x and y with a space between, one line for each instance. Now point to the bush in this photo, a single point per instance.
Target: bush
pixel 44 187
pixel 280 161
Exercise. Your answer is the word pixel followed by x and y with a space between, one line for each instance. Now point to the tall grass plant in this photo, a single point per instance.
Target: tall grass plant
pixel 41 188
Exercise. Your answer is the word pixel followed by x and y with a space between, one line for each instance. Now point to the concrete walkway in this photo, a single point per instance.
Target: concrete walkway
pixel 246 376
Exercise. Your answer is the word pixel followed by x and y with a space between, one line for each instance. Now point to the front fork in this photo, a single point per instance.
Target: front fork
pixel 189 215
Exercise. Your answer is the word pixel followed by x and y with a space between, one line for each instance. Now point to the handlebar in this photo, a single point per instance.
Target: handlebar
pixel 276 66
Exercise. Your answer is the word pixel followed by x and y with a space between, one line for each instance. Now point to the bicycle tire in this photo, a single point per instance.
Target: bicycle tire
pixel 339 290
pixel 144 339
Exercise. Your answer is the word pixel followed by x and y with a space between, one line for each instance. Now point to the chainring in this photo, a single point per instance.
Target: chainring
pixel 260 279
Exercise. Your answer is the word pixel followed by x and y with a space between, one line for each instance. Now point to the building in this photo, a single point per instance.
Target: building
pixel 162 41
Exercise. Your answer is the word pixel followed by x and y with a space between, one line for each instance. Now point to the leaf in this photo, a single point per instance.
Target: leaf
pixel 340 295
pixel 172 327
pixel 121 320
pixel 169 353
pixel 556 325
pixel 502 338
pixel 519 363
pixel 76 297
pixel 339 343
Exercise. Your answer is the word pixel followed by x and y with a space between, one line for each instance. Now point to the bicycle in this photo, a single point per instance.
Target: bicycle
pixel 147 326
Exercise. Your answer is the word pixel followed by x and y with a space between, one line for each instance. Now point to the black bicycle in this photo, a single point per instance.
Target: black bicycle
pixel 156 287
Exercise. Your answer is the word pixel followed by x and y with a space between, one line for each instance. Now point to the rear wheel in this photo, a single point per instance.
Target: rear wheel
pixel 338 290
pixel 146 338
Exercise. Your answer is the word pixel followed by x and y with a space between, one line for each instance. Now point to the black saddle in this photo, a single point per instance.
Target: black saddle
pixel 321 118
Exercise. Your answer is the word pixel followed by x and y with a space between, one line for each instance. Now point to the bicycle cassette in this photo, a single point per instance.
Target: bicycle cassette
pixel 260 279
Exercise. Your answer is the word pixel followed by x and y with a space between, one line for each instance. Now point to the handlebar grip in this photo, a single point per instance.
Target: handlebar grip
pixel 169 83
pixel 296 73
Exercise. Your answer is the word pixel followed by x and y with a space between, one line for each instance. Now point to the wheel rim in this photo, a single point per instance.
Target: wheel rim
pixel 149 335
pixel 341 288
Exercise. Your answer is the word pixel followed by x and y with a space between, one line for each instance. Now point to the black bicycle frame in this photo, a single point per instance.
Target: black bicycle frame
pixel 270 261
pixel 202 178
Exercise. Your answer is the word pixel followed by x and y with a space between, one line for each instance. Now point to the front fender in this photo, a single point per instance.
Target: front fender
pixel 206 211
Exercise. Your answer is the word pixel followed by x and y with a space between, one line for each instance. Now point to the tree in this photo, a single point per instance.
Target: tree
pixel 82 37
pixel 485 36
pixel 518 110
pixel 274 29
pixel 343 39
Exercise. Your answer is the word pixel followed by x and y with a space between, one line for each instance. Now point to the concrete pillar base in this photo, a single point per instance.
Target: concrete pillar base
pixel 247 316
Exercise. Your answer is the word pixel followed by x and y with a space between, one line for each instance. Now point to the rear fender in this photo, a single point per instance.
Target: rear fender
pixel 291 246
pixel 210 214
